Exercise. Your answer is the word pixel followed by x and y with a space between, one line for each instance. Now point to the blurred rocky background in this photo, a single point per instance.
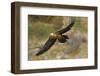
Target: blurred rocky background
pixel 39 28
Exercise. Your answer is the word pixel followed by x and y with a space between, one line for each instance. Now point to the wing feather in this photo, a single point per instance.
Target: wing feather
pixel 66 28
pixel 46 46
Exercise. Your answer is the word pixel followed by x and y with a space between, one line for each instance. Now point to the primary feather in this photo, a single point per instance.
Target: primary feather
pixel 66 28
pixel 46 46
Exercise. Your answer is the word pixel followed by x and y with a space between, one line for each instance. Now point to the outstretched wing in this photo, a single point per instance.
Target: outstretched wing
pixel 46 46
pixel 66 28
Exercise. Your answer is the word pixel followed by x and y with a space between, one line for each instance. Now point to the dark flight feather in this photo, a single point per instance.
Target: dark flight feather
pixel 66 28
pixel 46 46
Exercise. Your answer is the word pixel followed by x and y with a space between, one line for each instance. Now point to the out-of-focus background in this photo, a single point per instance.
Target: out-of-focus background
pixel 39 28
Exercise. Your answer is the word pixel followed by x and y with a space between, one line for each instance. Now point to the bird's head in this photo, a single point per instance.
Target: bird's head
pixel 53 35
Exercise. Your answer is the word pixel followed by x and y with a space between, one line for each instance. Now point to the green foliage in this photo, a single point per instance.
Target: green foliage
pixel 77 23
pixel 39 30
pixel 80 24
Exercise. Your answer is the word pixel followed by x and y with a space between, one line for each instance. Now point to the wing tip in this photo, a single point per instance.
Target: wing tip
pixel 72 22
pixel 39 53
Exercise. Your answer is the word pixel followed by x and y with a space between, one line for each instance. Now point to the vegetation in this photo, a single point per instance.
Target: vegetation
pixel 39 28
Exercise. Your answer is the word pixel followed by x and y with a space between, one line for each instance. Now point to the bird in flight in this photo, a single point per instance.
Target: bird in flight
pixel 55 36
